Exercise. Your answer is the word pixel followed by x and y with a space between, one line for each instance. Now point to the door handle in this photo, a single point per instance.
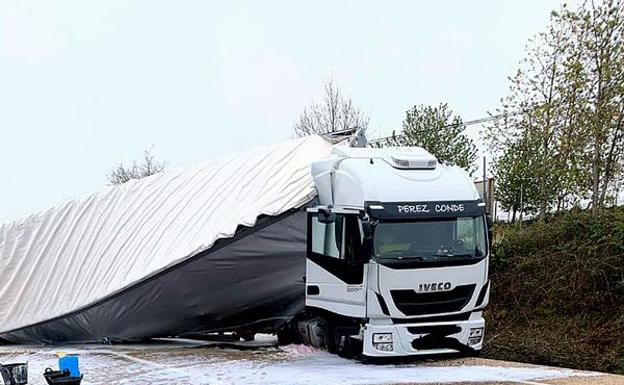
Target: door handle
pixel 313 290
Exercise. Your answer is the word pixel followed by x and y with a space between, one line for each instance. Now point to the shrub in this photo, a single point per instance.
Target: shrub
pixel 558 291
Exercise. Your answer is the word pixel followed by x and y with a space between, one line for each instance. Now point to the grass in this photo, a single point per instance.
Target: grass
pixel 558 292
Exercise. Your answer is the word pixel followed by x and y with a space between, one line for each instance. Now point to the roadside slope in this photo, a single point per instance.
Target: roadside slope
pixel 558 292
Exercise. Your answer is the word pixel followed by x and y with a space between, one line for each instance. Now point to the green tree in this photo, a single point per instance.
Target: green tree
pixel 570 92
pixel 442 134
pixel 516 174
pixel 536 90
pixel 597 68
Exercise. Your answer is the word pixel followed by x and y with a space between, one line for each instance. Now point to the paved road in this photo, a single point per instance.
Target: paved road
pixel 193 363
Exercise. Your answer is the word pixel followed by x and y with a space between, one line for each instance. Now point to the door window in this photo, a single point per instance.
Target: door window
pixel 341 239
pixel 324 238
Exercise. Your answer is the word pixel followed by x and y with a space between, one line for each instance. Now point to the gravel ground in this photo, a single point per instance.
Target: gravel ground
pixel 187 362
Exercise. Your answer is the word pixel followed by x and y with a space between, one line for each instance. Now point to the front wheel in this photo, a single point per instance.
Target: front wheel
pixel 344 345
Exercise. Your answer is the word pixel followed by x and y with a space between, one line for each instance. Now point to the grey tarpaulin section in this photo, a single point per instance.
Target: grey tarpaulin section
pixel 75 254
pixel 253 281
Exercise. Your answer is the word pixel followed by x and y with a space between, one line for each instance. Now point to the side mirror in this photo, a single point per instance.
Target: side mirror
pixel 367 241
pixel 490 225
pixel 325 216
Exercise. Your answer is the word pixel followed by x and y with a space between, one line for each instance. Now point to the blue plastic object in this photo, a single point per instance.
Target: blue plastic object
pixel 70 363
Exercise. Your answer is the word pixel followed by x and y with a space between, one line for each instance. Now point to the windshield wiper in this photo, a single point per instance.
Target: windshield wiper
pixel 402 258
pixel 454 255
pixel 410 258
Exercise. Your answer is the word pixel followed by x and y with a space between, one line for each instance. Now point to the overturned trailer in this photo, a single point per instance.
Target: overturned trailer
pixel 218 246
pixel 378 252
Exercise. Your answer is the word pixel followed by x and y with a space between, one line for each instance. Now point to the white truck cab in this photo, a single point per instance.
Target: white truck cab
pixel 397 261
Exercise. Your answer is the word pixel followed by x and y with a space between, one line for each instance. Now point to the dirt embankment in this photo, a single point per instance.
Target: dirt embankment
pixel 558 292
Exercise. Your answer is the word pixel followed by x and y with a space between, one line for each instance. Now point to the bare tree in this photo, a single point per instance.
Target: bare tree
pixel 149 166
pixel 335 113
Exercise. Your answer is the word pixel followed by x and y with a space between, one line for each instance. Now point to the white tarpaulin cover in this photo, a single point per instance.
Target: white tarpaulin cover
pixel 72 255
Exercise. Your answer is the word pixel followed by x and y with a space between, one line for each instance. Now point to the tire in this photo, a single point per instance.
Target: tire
pixel 341 345
pixel 345 349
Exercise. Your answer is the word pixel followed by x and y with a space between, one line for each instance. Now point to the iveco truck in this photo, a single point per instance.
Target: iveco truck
pixel 397 256
pixel 373 252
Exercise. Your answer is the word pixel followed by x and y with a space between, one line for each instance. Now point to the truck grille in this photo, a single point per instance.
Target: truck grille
pixel 409 302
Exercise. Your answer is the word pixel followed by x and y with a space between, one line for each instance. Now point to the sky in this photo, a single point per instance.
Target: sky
pixel 85 85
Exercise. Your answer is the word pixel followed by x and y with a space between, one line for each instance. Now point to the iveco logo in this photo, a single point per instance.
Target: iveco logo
pixel 434 286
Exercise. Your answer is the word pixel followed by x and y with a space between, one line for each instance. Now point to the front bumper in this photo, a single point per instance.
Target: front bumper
pixel 408 338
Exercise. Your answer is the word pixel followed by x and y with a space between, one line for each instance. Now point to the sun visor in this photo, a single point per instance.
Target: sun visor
pixel 416 210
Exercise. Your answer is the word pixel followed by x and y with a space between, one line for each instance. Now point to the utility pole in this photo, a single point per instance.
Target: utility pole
pixel 485 197
pixel 521 201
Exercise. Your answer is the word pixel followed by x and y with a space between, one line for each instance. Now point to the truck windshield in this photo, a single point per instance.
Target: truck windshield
pixel 431 239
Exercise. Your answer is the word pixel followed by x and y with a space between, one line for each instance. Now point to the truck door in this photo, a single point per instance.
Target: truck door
pixel 335 268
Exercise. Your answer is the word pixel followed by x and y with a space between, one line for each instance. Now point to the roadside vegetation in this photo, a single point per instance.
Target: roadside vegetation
pixel 561 143
pixel 558 291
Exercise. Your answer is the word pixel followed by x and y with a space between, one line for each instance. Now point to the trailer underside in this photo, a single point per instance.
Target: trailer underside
pixel 252 281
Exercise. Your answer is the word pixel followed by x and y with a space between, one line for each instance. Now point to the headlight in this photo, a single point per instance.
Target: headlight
pixel 382 337
pixel 383 342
